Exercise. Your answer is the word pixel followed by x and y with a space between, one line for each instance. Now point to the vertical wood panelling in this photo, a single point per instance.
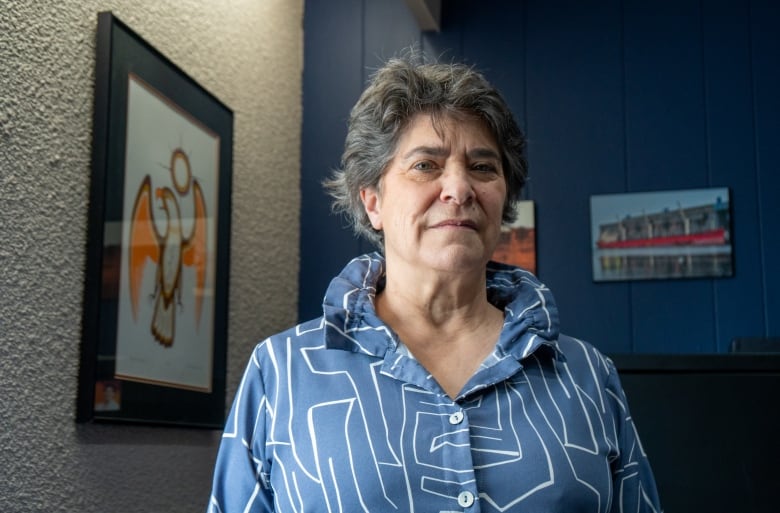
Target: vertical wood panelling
pixel 393 28
pixel 765 25
pixel 447 45
pixel 731 160
pixel 575 126
pixel 615 96
pixel 390 29
pixel 666 149
pixel 664 95
pixel 483 34
pixel 332 81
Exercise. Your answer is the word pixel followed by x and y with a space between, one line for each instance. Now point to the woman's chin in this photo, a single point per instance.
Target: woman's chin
pixel 458 258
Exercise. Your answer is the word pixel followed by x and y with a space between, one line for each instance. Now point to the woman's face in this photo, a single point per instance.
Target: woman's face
pixel 441 198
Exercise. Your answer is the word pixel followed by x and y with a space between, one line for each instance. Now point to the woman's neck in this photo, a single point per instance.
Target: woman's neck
pixel 446 322
pixel 435 297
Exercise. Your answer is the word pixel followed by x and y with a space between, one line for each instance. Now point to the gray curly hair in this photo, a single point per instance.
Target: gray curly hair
pixel 403 87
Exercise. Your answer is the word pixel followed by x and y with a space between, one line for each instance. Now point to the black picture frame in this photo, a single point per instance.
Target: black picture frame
pixel 155 316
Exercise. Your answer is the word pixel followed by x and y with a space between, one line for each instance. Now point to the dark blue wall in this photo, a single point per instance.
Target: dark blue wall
pixel 614 97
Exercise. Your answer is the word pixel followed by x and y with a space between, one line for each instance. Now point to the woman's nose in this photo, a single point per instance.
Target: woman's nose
pixel 456 186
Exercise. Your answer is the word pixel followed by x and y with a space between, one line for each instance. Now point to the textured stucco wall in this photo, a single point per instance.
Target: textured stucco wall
pixel 249 54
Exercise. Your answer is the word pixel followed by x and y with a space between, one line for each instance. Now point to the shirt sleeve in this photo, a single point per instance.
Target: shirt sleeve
pixel 240 477
pixel 633 484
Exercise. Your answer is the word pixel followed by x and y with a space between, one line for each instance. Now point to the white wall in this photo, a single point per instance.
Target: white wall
pixel 248 53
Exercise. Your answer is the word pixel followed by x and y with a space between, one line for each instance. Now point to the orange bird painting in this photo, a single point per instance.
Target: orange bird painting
pixel 162 242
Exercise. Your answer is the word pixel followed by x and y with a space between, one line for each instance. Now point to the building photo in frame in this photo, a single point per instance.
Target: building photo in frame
pixel 155 310
pixel 661 235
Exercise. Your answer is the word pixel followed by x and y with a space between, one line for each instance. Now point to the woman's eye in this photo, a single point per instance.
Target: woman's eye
pixel 485 167
pixel 424 165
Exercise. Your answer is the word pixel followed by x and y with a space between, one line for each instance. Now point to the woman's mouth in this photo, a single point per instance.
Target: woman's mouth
pixel 457 223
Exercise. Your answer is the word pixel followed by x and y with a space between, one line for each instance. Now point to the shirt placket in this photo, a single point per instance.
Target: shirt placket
pixel 458 460
pixel 443 446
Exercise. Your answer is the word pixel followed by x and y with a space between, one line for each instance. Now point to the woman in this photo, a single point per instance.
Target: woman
pixel 435 380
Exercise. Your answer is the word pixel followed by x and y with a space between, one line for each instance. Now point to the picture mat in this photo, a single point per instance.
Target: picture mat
pixel 155 127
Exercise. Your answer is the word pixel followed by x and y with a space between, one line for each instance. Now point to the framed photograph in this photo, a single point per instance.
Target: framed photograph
pixel 662 235
pixel 517 245
pixel 156 296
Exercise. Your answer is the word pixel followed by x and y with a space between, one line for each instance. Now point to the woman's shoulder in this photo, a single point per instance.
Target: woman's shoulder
pixel 583 357
pixel 305 334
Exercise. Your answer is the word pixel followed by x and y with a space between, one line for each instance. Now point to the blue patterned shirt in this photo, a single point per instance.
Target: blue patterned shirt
pixel 336 415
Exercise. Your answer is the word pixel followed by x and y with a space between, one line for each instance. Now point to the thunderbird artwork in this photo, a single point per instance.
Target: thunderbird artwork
pixel 163 242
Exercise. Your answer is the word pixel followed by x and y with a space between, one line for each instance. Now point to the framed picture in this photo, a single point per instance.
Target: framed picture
pixel 661 235
pixel 517 245
pixel 156 296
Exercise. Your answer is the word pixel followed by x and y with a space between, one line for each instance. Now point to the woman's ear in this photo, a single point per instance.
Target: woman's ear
pixel 373 204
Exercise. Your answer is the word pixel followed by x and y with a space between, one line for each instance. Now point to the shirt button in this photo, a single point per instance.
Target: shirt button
pixel 465 499
pixel 456 418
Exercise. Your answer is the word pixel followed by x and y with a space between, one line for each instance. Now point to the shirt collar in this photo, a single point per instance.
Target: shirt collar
pixel 351 323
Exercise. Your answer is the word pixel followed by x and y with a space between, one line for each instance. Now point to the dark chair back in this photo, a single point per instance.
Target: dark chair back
pixel 755 345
